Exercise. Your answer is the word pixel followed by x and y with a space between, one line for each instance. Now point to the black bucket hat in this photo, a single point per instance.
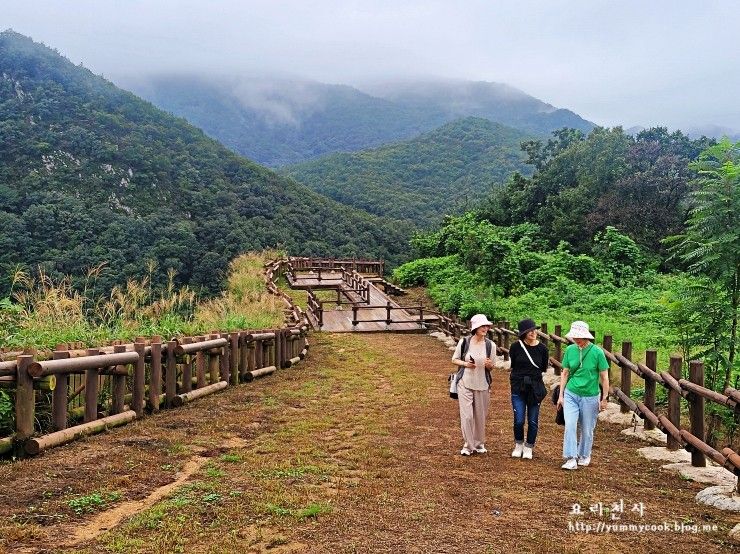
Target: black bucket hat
pixel 526 325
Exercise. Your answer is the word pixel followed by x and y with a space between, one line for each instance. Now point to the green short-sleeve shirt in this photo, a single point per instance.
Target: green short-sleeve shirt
pixel 584 381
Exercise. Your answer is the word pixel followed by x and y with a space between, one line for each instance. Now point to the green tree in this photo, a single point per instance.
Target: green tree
pixel 711 243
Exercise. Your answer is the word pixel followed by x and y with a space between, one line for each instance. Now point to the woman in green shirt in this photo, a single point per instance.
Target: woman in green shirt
pixel 584 368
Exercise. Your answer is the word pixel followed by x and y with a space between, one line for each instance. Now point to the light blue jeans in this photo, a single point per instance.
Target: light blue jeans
pixel 579 411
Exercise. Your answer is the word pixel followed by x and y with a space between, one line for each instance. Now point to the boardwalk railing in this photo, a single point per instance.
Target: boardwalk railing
pixel 358 284
pixel 368 267
pixel 123 382
pixel 692 389
pixel 388 320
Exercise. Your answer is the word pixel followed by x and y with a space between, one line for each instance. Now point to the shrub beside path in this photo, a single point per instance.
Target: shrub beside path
pixel 355 450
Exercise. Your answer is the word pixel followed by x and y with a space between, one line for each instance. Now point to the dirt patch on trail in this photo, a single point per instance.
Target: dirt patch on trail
pixel 355 450
pixel 110 518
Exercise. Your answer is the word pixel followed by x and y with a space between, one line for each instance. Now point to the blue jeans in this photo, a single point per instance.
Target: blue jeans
pixel 579 411
pixel 522 410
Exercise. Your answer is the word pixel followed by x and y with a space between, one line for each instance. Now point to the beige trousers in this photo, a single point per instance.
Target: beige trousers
pixel 473 412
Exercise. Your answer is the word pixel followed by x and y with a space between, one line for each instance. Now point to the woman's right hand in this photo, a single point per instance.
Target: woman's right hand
pixel 470 365
pixel 560 402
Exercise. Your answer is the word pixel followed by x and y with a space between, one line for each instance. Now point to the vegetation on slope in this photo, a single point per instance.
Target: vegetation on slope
pixel 604 275
pixel 441 172
pixel 91 175
pixel 286 121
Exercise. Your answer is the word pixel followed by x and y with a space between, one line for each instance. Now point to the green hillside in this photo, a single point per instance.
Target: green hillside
pixel 444 171
pixel 286 121
pixel 91 174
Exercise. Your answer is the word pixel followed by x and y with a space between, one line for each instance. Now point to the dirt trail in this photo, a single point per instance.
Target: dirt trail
pixel 356 450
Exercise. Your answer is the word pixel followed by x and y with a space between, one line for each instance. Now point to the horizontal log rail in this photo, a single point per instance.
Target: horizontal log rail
pixel 388 319
pixel 72 365
pixel 205 345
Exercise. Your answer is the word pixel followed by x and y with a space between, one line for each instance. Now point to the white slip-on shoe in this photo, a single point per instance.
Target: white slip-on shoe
pixel 465 451
pixel 481 449
pixel 518 450
pixel 584 461
pixel 527 453
pixel 570 463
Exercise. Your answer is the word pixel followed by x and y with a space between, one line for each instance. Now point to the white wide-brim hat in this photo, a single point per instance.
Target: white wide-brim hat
pixel 478 320
pixel 579 330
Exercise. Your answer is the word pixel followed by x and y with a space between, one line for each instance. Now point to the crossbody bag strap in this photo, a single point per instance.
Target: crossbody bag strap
pixel 580 365
pixel 528 356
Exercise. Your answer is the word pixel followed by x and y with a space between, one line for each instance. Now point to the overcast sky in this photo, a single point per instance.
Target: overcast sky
pixel 621 62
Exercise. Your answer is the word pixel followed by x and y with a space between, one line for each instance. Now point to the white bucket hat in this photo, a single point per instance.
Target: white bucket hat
pixel 579 330
pixel 478 320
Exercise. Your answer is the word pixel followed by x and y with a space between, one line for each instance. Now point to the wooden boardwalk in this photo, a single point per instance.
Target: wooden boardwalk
pixel 339 319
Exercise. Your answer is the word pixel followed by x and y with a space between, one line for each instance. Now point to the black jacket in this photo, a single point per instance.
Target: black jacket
pixel 526 379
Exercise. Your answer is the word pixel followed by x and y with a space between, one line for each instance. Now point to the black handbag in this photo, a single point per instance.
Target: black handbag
pixel 559 414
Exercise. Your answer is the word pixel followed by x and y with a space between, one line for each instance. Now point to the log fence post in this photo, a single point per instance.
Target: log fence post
pixel 651 361
pixel 213 362
pixel 626 375
pixel 187 368
pixel 170 374
pixel 155 374
pixel 696 412
pixel 137 395
pixel 92 383
pixel 224 358
pixel 244 353
pixel 258 354
pixel 200 365
pixel 118 396
pixel 277 352
pixel 25 402
pixel 234 358
pixel 607 344
pixel 674 402
pixel 60 396
pixel 558 347
pixel 545 341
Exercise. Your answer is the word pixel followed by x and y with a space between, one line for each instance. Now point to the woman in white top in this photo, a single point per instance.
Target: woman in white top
pixel 475 354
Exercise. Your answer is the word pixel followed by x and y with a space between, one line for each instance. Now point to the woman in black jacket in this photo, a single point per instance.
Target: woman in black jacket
pixel 529 360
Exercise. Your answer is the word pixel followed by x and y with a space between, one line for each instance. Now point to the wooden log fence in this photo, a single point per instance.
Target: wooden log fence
pixel 144 376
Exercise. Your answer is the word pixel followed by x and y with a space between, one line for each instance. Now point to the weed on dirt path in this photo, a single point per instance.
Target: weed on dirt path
pixel 355 450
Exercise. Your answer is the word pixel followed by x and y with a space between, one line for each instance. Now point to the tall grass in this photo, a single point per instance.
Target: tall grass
pixel 42 313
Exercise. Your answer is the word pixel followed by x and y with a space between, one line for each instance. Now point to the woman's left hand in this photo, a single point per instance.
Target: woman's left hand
pixel 603 404
pixel 489 363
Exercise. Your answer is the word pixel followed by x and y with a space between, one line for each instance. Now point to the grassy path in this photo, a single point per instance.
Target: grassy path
pixel 355 450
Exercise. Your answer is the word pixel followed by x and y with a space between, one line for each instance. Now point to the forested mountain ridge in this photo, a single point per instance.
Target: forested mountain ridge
pixel 279 122
pixel 440 172
pixel 494 101
pixel 91 174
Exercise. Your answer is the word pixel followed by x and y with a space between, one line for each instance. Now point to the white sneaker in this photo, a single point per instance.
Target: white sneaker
pixel 481 449
pixel 517 452
pixel 571 463
pixel 527 453
pixel 584 461
pixel 465 451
